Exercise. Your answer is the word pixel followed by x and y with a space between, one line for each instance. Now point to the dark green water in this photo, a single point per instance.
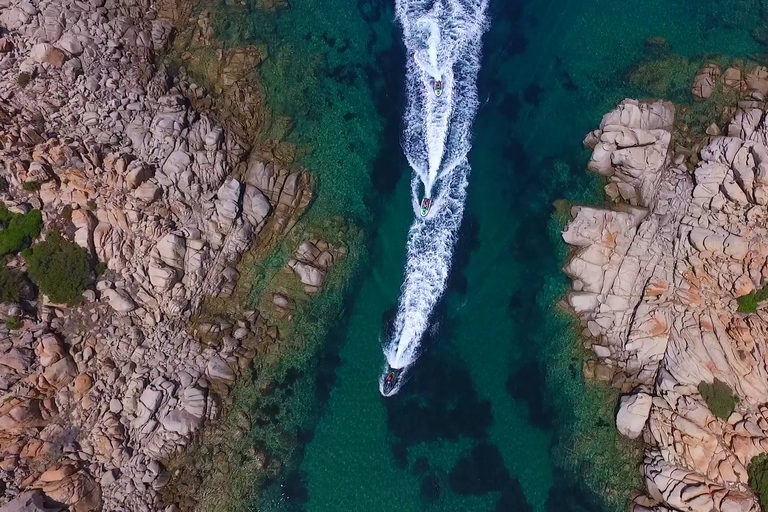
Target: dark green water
pixel 496 416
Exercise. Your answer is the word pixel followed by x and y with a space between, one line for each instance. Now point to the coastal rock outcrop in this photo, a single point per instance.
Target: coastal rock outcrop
pixel 311 263
pixel 656 283
pixel 96 398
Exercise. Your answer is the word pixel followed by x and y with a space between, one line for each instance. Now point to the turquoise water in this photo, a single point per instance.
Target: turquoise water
pixel 496 416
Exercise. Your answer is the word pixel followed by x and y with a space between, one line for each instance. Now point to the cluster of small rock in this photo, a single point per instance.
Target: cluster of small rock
pixel 95 399
pixel 655 284
pixel 753 83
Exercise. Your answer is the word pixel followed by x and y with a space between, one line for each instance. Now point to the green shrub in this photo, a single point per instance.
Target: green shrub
pixel 10 284
pixel 719 398
pixel 748 303
pixel 17 230
pixel 758 478
pixel 3 184
pixel 30 186
pixel 59 268
pixel 13 323
pixel 100 268
pixel 23 79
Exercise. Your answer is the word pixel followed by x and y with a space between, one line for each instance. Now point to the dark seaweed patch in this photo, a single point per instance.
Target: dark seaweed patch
pixel 421 466
pixel 513 498
pixel 482 472
pixel 468 242
pixel 510 106
pixel 516 44
pixel 345 75
pixel 528 384
pixel 566 495
pixel 532 94
pixel 330 41
pixel 400 453
pixel 438 403
pixel 430 488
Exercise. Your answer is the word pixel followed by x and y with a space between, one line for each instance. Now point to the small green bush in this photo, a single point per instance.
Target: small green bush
pixel 719 398
pixel 3 184
pixel 30 186
pixel 17 230
pixel 59 268
pixel 10 284
pixel 23 79
pixel 100 268
pixel 748 303
pixel 758 478
pixel 13 323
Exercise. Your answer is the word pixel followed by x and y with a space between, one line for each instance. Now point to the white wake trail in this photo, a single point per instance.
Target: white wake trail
pixel 443 40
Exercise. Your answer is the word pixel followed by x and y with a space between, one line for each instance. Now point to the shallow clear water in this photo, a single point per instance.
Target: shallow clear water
pixel 496 416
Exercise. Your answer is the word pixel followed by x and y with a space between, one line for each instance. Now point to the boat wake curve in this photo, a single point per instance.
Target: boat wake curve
pixel 443 40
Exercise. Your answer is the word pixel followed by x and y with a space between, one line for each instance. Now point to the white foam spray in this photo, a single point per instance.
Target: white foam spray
pixel 443 40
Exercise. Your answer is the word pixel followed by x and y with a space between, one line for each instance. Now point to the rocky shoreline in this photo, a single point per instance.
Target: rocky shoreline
pixel 96 398
pixel 659 284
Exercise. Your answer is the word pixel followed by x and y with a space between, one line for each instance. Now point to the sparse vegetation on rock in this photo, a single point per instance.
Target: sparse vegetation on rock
pixel 60 268
pixel 23 79
pixel 719 398
pixel 758 478
pixel 10 284
pixel 748 303
pixel 16 229
pixel 13 323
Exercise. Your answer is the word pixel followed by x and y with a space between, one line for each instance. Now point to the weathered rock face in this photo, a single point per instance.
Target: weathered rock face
pixel 30 501
pixel 706 80
pixel 655 283
pixel 95 399
pixel 311 263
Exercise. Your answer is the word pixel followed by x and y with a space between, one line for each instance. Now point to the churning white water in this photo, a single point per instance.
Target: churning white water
pixel 443 41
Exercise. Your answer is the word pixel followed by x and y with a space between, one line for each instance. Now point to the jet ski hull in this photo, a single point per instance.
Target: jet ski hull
pixel 392 381
pixel 426 204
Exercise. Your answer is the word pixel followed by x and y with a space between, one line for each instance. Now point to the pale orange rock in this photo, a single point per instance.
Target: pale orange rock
pixel 82 384
pixel 57 473
pixel 757 80
pixel 45 53
pixel 705 82
pixel 733 79
pixel 743 286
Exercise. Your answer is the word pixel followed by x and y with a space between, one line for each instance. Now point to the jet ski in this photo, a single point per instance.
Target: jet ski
pixel 426 204
pixel 391 380
pixel 438 88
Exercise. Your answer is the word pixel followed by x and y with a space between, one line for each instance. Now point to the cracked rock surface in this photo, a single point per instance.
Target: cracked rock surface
pixel 655 284
pixel 94 399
